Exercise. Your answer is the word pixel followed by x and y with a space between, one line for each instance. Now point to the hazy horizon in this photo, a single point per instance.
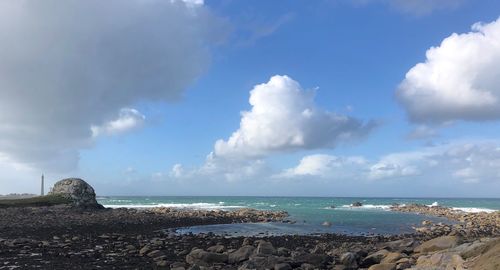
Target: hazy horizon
pixel 219 98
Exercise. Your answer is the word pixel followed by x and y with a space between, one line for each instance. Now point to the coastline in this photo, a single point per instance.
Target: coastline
pixel 63 237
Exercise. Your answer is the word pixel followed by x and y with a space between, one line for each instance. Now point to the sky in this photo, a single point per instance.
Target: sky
pixel 261 98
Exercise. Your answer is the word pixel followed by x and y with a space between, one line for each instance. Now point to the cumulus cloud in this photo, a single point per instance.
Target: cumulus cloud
pixel 397 165
pixel 69 67
pixel 129 119
pixel 460 79
pixel 284 117
pixel 220 168
pixel 324 166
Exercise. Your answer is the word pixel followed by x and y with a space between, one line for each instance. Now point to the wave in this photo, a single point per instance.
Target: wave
pixel 473 209
pixel 197 206
pixel 363 207
pixel 434 204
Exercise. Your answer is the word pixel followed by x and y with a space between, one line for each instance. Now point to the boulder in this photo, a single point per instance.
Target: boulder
pixel 313 259
pixel 357 204
pixel 267 262
pixel 217 249
pixel 205 258
pixel 383 266
pixel 392 257
pixel 265 248
pixel 349 259
pixel 440 261
pixel 242 254
pixel 439 243
pixel 374 258
pixel 490 260
pixel 282 266
pixel 78 191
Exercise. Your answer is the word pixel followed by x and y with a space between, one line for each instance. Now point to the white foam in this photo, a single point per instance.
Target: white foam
pixel 198 206
pixel 473 209
pixel 433 204
pixel 365 207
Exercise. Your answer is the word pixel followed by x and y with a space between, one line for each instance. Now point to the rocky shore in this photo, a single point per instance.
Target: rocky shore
pixel 82 234
pixel 65 237
pixel 469 225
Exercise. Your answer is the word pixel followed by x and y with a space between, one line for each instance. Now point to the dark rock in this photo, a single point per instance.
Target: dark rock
pixel 282 266
pixel 349 259
pixel 357 204
pixel 217 248
pixel 314 259
pixel 205 258
pixel 374 258
pixel 242 254
pixel 265 248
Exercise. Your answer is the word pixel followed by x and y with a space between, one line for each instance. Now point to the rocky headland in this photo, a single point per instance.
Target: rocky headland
pixel 75 236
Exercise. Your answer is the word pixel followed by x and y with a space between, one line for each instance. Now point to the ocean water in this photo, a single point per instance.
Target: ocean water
pixel 309 213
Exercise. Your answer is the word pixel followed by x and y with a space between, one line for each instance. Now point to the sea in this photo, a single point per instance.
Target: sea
pixel 309 215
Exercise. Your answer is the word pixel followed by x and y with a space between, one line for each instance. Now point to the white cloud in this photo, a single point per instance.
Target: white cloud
pixel 415 7
pixel 460 79
pixel 177 171
pixel 397 165
pixel 454 163
pixel 64 71
pixel 324 166
pixel 284 117
pixel 129 119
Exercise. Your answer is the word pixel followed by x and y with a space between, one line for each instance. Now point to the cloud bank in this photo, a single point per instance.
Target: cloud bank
pixel 69 67
pixel 460 79
pixel 454 163
pixel 284 117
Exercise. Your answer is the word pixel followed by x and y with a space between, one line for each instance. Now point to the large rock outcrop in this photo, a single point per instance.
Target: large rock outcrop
pixel 79 191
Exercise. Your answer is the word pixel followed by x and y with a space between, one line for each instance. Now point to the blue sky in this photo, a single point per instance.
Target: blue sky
pixel 146 119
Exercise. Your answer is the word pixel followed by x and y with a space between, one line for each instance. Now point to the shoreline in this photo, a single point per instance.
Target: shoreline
pixel 61 237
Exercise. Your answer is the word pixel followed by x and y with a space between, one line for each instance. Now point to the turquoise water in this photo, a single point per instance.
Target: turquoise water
pixel 309 213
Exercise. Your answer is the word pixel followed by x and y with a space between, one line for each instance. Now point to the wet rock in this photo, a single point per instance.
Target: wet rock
pixel 314 259
pixel 285 252
pixel 282 266
pixel 356 204
pixel 217 248
pixel 144 250
pixel 265 248
pixel 155 253
pixel 349 259
pixel 242 254
pixel 307 266
pixel 205 258
pixel 267 262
